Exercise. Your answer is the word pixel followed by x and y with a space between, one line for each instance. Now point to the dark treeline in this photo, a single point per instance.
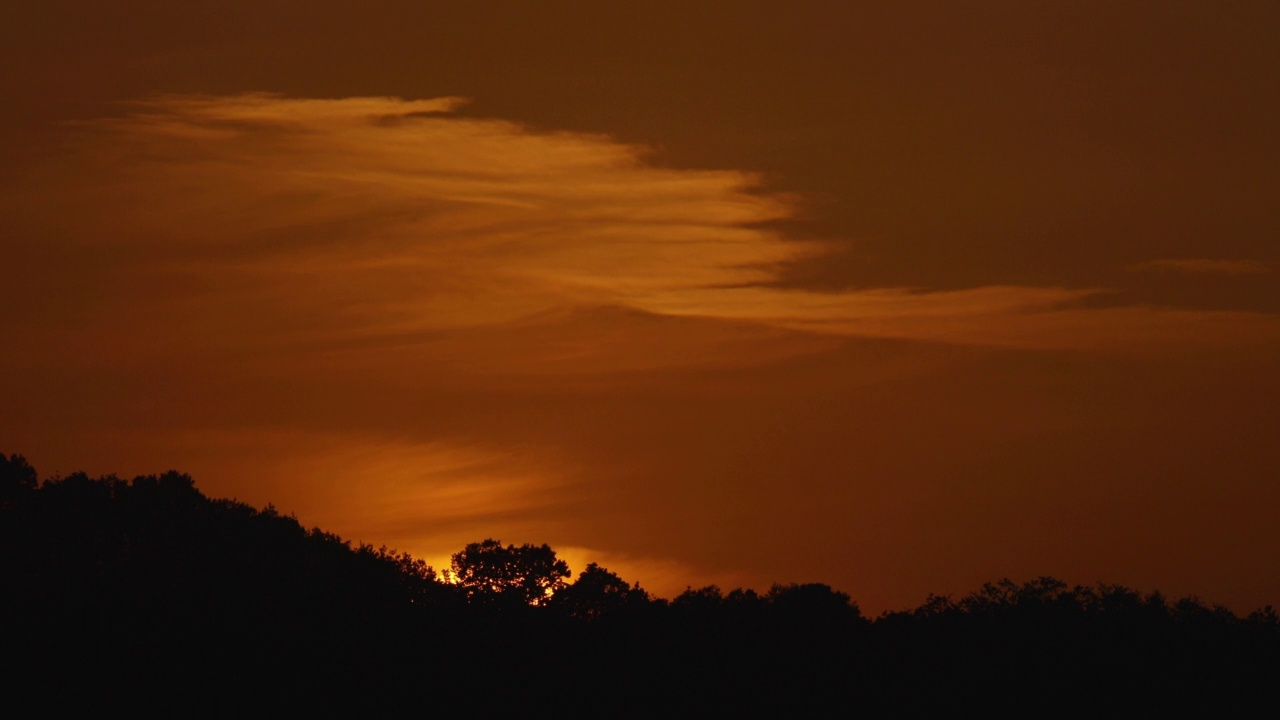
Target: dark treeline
pixel 145 594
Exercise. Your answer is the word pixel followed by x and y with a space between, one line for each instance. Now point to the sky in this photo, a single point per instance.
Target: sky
pixel 900 297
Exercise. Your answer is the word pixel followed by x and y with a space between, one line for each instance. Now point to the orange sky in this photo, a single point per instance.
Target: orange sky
pixel 901 298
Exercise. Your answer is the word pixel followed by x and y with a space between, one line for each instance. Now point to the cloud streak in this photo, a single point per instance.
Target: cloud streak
pixel 418 328
pixel 376 222
pixel 1204 266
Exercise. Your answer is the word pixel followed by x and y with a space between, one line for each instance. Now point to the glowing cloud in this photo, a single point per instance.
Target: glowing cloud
pixel 376 223
pixel 418 328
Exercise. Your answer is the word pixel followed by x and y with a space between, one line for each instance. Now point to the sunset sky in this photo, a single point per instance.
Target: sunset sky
pixel 897 296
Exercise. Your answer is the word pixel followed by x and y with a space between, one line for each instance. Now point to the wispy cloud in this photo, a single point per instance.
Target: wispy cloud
pixel 428 497
pixel 418 328
pixel 663 577
pixel 1203 266
pixel 245 223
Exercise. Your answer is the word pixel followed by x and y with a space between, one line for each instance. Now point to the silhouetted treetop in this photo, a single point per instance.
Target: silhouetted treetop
pixel 109 585
pixel 812 602
pixel 596 593
pixel 489 572
pixel 17 477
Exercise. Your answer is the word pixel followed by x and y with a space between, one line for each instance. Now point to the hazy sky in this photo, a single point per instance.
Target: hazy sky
pixel 901 297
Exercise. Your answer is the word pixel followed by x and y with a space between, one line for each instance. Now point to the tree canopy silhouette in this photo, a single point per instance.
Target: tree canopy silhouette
pixel 17 477
pixel 596 593
pixel 107 586
pixel 489 572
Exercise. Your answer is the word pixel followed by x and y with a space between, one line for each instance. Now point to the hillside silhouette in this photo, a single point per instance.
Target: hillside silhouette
pixel 147 595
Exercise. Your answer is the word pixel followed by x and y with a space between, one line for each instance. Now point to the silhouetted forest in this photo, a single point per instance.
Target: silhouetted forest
pixel 148 596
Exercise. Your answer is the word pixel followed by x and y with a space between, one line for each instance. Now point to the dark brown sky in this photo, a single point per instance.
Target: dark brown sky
pixel 903 297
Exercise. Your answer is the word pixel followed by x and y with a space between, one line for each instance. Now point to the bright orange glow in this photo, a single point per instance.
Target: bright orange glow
pixel 901 299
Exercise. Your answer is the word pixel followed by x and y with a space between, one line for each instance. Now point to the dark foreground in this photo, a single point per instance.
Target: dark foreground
pixel 148 597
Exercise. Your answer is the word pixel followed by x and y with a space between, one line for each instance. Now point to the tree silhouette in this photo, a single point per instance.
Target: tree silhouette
pixel 597 592
pixel 17 478
pixel 812 603
pixel 528 575
pixel 149 590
